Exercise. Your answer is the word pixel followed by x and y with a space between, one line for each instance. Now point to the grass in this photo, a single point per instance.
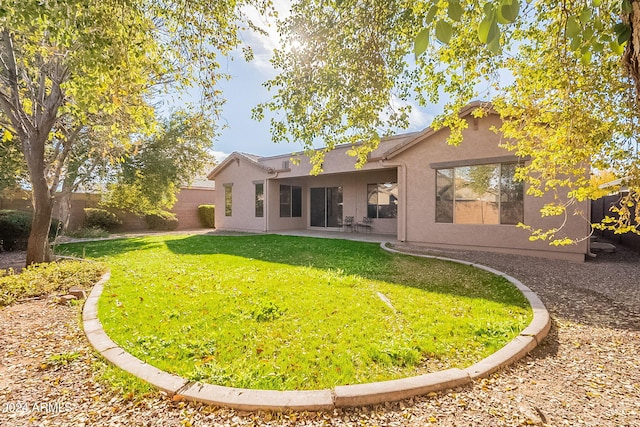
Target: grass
pixel 279 312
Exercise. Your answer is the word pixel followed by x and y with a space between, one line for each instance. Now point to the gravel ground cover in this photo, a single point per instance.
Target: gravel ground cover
pixel 586 373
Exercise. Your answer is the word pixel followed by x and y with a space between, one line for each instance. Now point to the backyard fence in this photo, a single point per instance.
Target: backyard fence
pixel 185 209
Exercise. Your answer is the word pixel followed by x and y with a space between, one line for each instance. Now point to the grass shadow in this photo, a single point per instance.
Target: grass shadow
pixel 347 257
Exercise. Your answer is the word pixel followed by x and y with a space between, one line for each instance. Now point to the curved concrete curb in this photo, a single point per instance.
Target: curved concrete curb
pixel 314 400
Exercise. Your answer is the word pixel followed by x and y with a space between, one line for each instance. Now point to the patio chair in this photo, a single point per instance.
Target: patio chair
pixel 346 223
pixel 365 223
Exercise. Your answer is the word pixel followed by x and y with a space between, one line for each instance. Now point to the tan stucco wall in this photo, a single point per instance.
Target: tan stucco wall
pixel 479 142
pixel 277 223
pixel 354 198
pixel 336 161
pixel 354 194
pixel 241 175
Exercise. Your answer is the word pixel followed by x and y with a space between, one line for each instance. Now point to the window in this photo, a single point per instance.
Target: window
pixel 483 194
pixel 227 200
pixel 382 200
pixel 259 200
pixel 290 201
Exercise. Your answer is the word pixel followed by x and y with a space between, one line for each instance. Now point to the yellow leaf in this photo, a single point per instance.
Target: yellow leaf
pixel 7 136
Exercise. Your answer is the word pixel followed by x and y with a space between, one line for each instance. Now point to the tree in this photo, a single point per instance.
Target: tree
pixel 564 77
pixel 150 176
pixel 53 76
pixel 12 168
pixel 69 68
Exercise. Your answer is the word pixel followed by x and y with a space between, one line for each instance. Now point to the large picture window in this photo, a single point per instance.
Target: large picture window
pixel 228 200
pixel 382 200
pixel 482 194
pixel 290 201
pixel 259 200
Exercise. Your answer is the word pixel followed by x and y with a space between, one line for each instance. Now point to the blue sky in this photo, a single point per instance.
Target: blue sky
pixel 245 90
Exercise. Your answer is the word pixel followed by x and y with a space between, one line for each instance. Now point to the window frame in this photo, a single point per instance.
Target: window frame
pixel 291 207
pixel 228 199
pixel 259 199
pixel 377 205
pixel 448 205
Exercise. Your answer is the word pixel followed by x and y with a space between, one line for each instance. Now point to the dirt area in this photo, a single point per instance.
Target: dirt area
pixel 586 373
pixel 14 260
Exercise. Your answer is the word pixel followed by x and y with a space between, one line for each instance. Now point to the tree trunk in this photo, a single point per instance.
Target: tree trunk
pixel 38 245
pixel 64 210
pixel 631 57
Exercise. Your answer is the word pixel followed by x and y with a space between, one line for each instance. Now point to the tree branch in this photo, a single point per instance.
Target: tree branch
pixel 11 101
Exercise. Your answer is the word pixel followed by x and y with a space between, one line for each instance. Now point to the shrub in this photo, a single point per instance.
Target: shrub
pixel 207 215
pixel 161 220
pixel 88 232
pixel 101 218
pixel 15 227
pixel 42 279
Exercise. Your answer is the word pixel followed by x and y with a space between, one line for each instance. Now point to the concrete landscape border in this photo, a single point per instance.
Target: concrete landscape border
pixel 326 399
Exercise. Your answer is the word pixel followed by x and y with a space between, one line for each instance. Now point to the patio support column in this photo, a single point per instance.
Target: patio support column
pixel 402 193
pixel 266 205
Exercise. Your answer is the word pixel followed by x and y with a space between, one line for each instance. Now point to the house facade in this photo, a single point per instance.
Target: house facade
pixel 414 187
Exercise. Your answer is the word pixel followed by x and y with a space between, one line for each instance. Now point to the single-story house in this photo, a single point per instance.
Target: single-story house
pixel 414 187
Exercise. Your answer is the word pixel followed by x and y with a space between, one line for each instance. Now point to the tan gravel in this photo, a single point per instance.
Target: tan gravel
pixel 586 373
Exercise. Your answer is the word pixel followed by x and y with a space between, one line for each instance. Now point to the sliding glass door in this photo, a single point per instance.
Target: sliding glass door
pixel 326 206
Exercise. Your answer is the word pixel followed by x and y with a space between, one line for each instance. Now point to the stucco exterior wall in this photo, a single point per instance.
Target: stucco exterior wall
pixel 479 142
pixel 354 198
pixel 277 223
pixel 241 176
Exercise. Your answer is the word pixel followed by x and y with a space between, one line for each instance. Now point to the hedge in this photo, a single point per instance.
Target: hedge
pixel 101 218
pixel 161 220
pixel 15 227
pixel 207 215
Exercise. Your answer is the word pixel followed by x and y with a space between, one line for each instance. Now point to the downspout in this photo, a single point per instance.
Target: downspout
pixel 402 208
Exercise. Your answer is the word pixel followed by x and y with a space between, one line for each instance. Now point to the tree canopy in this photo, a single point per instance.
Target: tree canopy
pixel 562 75
pixel 149 177
pixel 77 79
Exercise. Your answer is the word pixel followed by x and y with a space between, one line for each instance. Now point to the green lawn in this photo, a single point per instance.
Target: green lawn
pixel 279 312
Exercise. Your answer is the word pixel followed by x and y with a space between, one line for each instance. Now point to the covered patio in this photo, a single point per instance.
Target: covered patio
pixel 324 234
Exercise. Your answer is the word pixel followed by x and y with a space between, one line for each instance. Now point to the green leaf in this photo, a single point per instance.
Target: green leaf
pixel 454 10
pixel 494 45
pixel 509 11
pixel 431 14
pixel 573 27
pixel 616 48
pixel 585 15
pixel 588 33
pixel 626 7
pixel 586 58
pixel 596 3
pixel 575 44
pixel 443 31
pixel 487 27
pixel 623 32
pixel 421 42
pixel 597 47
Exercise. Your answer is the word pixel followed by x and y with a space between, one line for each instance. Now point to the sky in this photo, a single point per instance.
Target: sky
pixel 245 90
